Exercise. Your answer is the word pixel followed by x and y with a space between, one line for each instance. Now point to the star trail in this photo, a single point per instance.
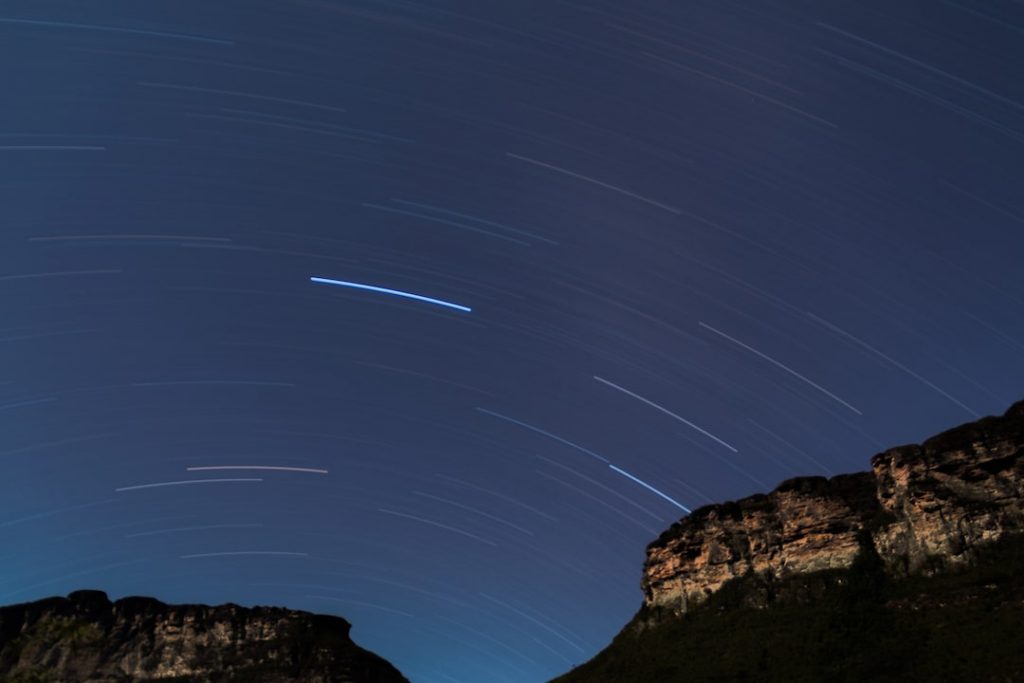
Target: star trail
pixel 392 292
pixel 432 314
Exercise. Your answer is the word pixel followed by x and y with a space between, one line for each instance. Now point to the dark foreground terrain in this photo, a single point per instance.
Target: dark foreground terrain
pixel 858 624
pixel 87 638
pixel 912 571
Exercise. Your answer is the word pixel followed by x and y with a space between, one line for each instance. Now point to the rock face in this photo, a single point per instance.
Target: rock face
pixel 921 508
pixel 86 637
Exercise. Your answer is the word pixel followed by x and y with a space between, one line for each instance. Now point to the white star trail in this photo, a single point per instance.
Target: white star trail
pixel 781 366
pixel 272 468
pixel 185 482
pixel 667 412
pixel 538 430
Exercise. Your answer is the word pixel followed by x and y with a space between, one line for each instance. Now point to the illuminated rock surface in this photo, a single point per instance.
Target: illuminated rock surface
pixel 86 637
pixel 924 507
pixel 913 571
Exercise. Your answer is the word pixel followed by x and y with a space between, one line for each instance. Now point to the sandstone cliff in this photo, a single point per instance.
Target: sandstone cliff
pixel 86 637
pixel 921 508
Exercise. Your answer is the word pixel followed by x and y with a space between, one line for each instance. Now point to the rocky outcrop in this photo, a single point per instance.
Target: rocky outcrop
pixel 920 508
pixel 957 490
pixel 86 637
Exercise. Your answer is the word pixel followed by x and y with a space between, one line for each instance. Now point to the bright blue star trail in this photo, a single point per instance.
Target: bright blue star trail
pixel 392 292
pixel 650 488
pixel 598 264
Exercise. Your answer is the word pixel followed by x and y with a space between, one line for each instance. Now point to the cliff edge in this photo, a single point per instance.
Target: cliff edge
pixel 910 572
pixel 87 638
pixel 922 509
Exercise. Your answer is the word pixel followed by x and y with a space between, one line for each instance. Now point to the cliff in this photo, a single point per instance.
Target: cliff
pixel 911 572
pixel 922 509
pixel 86 637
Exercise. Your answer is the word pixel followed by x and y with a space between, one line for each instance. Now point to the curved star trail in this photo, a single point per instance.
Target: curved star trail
pixel 272 468
pixel 185 482
pixel 598 264
pixel 392 292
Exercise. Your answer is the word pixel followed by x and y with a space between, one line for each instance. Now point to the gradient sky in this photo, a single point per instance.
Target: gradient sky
pixel 705 247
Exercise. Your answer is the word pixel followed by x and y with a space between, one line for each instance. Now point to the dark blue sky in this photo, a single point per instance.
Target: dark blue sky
pixel 706 246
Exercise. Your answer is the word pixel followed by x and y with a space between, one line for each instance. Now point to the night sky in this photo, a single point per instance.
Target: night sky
pixel 616 261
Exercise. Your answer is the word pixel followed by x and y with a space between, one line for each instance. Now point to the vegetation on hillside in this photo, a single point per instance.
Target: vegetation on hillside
pixel 852 625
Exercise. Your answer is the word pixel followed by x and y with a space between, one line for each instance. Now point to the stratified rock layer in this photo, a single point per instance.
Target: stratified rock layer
pixel 922 508
pixel 86 637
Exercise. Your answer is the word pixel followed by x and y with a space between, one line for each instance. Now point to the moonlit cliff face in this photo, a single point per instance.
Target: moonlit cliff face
pixel 921 507
pixel 87 637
